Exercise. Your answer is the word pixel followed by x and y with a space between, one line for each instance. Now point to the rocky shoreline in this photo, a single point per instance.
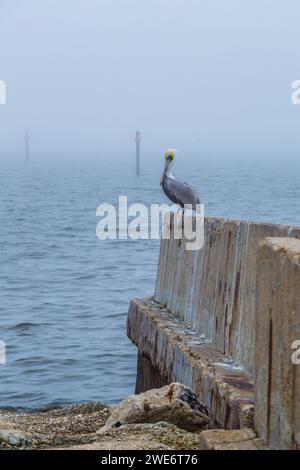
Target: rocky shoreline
pixel 167 418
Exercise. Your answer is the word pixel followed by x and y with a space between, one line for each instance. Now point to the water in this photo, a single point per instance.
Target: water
pixel 65 294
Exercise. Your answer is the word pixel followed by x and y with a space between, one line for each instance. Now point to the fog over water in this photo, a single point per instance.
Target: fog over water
pixel 209 77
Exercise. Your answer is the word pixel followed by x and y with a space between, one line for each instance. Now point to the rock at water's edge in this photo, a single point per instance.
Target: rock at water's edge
pixel 174 403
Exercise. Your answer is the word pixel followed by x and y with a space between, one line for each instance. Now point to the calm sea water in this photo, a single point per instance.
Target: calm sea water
pixel 64 294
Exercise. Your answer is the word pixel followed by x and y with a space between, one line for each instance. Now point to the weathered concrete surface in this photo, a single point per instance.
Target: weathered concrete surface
pixel 174 404
pixel 213 289
pixel 220 439
pixel 277 409
pixel 147 375
pixel 179 355
pixel 235 300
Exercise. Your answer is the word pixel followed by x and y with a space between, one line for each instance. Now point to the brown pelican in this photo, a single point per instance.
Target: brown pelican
pixel 178 192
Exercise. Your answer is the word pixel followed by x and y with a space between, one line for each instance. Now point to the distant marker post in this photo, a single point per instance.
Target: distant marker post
pixel 137 142
pixel 27 146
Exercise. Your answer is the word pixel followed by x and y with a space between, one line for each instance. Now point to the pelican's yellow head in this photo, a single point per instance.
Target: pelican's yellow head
pixel 170 154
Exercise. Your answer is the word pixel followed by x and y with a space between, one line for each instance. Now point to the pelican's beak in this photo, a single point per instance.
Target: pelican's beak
pixel 166 166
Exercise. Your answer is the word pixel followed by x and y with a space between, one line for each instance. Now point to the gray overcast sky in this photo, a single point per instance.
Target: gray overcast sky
pixel 210 77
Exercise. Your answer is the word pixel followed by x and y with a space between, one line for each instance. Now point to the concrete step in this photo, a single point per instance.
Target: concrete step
pixel 221 439
pixel 171 351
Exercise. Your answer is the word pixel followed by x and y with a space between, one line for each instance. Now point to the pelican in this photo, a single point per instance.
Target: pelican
pixel 177 191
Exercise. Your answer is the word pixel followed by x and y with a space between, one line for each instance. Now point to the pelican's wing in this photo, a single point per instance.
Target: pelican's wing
pixel 183 192
pixel 194 191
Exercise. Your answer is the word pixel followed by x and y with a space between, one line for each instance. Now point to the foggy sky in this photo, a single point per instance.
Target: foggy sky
pixel 209 77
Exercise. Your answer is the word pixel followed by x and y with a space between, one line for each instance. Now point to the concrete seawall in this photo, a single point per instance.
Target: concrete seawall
pixel 208 325
pixel 277 380
pixel 213 289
